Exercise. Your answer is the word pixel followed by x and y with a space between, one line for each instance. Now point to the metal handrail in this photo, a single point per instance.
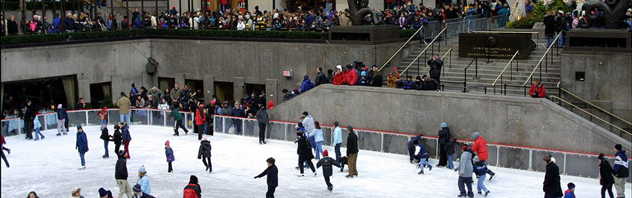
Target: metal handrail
pixel 543 56
pixel 427 46
pixel 465 73
pixel 443 58
pixel 593 105
pixel 592 115
pixel 400 49
pixel 446 53
pixel 503 71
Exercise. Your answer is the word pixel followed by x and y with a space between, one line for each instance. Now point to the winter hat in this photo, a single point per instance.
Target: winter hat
pixel 204 137
pixel 475 135
pixel 136 188
pixel 75 190
pixel 121 152
pixel 142 169
pixel 394 68
pixel 476 159
pixel 444 125
pixel 600 156
pixel 305 77
pixel 59 106
pixel 305 113
pixel 363 73
pixel 465 148
pixel 102 192
pixel 571 185
pixel 325 153
pixel 193 180
pixel 618 147
pixel 339 67
pixel 213 102
pixel 78 127
pixel 547 158
pixel 167 143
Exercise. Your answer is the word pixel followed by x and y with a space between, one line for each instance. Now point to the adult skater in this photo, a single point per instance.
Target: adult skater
pixel 193 189
pixel 551 185
pixel 606 180
pixel 304 153
pixel 204 153
pixel 273 177
pixel 143 180
pixel 317 135
pixel 177 116
pixel 480 149
pixel 4 158
pixel 28 115
pixel 124 103
pixel 621 170
pixel 465 170
pixel 200 120
pixel 210 112
pixel 352 152
pixel 262 119
pixel 327 163
pixel 169 155
pixel 337 140
pixel 117 138
pixel 81 146
pixel 444 138
pixel 105 136
pixel 120 174
pixel 62 120
pixel 127 137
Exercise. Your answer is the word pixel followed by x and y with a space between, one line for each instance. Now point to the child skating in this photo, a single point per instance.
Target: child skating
pixel 423 157
pixel 273 177
pixel 480 169
pixel 204 153
pixel 327 163
pixel 169 154
pixel 37 125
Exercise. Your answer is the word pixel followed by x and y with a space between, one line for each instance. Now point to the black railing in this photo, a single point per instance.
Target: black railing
pixel 475 61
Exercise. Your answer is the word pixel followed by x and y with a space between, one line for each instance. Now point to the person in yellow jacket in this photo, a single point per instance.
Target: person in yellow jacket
pixel 123 103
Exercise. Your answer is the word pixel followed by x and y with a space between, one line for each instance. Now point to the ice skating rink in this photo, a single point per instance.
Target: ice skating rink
pixel 49 167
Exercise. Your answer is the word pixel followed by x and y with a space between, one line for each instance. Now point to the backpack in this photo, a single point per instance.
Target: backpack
pixel 189 193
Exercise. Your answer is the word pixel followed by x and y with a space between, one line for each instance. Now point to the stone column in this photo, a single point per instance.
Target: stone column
pixel 239 87
pixel 271 91
pixel 209 88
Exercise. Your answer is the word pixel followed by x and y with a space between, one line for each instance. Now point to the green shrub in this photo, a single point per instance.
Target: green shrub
pixel 538 14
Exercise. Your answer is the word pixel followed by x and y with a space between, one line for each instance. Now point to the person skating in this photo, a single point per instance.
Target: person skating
pixel 605 176
pixel 81 146
pixel 411 149
pixel 327 163
pixel 449 150
pixel 423 156
pixel 480 169
pixel 143 180
pixel 76 193
pixel 169 155
pixel 337 140
pixel 120 174
pixel 106 137
pixel 304 153
pixel 117 138
pixel 62 121
pixel 37 126
pixel 28 115
pixel 193 189
pixel 352 152
pixel 262 119
pixel 317 135
pixel 177 116
pixel 103 115
pixel 200 120
pixel 138 193
pixel 273 177
pixel 480 149
pixel 4 158
pixel 444 138
pixel 465 170
pixel 570 193
pixel 621 171
pixel 204 153
pixel 551 184
pixel 127 138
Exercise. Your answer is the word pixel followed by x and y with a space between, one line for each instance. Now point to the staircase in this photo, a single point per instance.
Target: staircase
pixel 452 77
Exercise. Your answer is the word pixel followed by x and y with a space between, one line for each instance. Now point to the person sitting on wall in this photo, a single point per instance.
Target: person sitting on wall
pixel 428 83
pixel 392 78
pixel 537 89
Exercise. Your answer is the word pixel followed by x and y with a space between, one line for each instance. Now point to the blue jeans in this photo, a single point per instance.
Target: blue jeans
pixel 319 149
pixel 549 40
pixel 38 133
pixel 480 186
pixel 338 154
pixel 105 144
pixel 450 159
pixel 126 118
pixel 424 161
pixel 561 41
pixel 83 159
pixel 104 122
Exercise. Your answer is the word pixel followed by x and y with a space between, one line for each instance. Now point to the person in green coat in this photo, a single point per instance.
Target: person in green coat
pixel 177 116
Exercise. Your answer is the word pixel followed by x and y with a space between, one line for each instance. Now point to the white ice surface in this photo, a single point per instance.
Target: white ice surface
pixel 49 167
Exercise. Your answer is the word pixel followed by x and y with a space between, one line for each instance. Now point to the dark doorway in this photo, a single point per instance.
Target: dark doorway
pixel 44 93
pixel 224 91
pixel 164 83
pixel 101 95
pixel 255 88
pixel 197 86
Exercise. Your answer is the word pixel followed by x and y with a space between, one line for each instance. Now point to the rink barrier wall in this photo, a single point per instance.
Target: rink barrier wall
pixel 500 155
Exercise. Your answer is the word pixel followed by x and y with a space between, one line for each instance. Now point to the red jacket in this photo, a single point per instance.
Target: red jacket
pixel 104 113
pixel 2 137
pixel 537 89
pixel 351 77
pixel 480 147
pixel 200 117
pixel 339 78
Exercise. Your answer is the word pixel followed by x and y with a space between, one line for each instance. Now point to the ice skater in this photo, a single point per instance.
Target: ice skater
pixel 423 156
pixel 177 117
pixel 127 137
pixel 411 149
pixel 327 163
pixel 465 170
pixel 317 136
pixel 204 153
pixel 169 154
pixel 304 153
pixel 106 137
pixel 82 146
pixel 273 177
pixel 120 174
pixel 62 121
pixel 117 138
pixel 4 158
pixel 262 120
pixel 200 120
pixel 570 193
pixel 103 115
pixel 606 179
pixel 449 150
pixel 143 180
pixel 480 149
pixel 37 126
pixel 480 169
pixel 193 189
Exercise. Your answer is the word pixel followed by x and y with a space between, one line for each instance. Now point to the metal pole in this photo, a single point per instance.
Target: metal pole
pixel 157 9
pixel 111 8
pixel 450 59
pixel 62 16
pixel 142 7
pixel 180 7
pixel 127 11
pixel 476 74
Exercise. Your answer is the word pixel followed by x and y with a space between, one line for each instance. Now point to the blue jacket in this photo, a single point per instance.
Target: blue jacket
pixel 37 124
pixel 169 154
pixel 317 134
pixel 569 194
pixel 62 114
pixel 126 135
pixel 409 84
pixel 480 168
pixel 306 85
pixel 621 165
pixel 82 142
pixel 337 136
pixel 144 184
pixel 423 153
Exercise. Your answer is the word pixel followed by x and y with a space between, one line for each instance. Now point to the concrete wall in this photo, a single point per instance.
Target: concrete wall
pixel 519 121
pixel 608 81
pixel 123 63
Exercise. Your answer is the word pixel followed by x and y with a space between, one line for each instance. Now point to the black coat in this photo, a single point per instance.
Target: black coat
pixel 12 27
pixel 321 79
pixel 352 144
pixel 120 171
pixel 552 180
pixel 273 176
pixel 376 81
pixel 304 151
pixel 444 136
pixel 104 134
pixel 327 163
pixel 449 147
pixel 117 137
pixel 205 149
pixel 605 171
pixel 549 25
pixel 435 68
